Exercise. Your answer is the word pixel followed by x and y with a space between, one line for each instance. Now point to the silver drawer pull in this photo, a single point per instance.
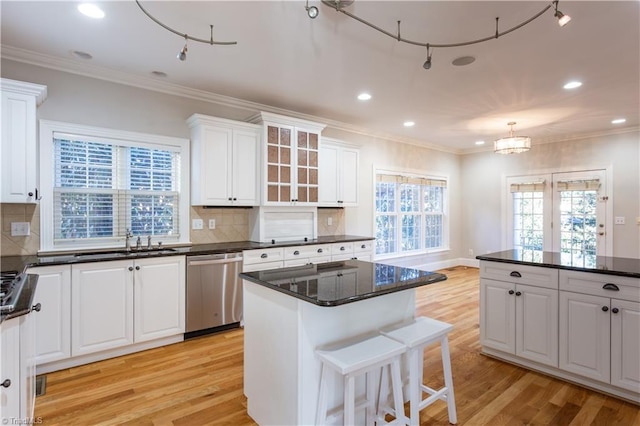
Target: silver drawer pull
pixel 516 274
pixel 610 286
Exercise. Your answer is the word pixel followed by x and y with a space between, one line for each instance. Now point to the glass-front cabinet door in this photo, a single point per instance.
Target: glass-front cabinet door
pixel 307 167
pixel 279 165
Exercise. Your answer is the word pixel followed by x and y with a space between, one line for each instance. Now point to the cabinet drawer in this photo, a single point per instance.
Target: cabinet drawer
pixel 588 283
pixel 299 252
pixel 263 266
pixel 338 249
pixel 522 274
pixel 264 255
pixel 363 247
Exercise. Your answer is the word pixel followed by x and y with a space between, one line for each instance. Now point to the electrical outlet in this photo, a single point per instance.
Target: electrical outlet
pixel 470 252
pixel 212 224
pixel 196 224
pixel 619 220
pixel 329 221
pixel 20 229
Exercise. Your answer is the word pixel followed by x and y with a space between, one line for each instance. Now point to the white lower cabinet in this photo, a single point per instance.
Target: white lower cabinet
pixel 520 320
pixel 118 303
pixel 600 328
pixel 53 322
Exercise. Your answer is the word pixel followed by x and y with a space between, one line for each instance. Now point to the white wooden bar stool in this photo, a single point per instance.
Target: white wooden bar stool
pixel 364 357
pixel 416 336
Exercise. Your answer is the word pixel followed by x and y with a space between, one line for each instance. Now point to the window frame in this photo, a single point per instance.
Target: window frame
pixel 48 129
pixel 398 214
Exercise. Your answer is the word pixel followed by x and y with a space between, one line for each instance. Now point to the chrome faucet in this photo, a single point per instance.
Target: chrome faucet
pixel 127 240
pixel 149 246
pixel 138 243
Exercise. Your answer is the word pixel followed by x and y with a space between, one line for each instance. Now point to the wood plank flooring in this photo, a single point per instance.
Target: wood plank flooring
pixel 199 382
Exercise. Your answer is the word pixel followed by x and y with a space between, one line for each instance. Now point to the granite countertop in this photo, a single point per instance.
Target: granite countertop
pixel 21 263
pixel 621 266
pixel 339 283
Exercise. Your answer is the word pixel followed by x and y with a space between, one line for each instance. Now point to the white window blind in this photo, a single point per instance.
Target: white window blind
pixel 578 185
pixel 104 187
pixel 527 187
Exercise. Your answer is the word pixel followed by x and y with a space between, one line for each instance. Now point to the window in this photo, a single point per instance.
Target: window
pixel 410 214
pixel 103 183
pixel 562 212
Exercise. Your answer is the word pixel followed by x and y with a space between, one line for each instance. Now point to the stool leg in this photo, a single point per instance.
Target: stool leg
pixel 371 397
pixel 448 380
pixel 415 382
pixel 383 393
pixel 349 400
pixel 396 381
pixel 321 409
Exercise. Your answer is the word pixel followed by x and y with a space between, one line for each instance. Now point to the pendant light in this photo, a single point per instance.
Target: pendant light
pixel 512 144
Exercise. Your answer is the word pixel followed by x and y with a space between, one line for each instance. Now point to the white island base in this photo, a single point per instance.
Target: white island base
pixel 281 372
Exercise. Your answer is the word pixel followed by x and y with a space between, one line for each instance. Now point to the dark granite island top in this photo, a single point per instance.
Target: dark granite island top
pixel 338 283
pixel 621 266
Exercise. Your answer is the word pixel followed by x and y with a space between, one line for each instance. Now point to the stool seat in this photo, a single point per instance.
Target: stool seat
pixel 416 335
pixel 361 355
pixel 364 357
pixel 422 331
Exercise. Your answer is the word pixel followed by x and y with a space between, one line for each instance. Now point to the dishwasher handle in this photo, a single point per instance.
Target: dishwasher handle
pixel 214 261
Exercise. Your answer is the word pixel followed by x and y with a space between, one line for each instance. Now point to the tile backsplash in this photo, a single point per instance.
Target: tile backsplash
pixel 232 224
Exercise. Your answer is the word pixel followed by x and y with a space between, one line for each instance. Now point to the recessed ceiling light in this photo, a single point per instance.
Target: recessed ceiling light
pixel 463 60
pixel 159 74
pixel 572 85
pixel 479 142
pixel 364 96
pixel 618 121
pixel 409 123
pixel 91 10
pixel 82 55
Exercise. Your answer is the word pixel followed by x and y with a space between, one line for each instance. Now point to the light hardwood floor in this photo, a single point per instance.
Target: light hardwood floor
pixel 199 382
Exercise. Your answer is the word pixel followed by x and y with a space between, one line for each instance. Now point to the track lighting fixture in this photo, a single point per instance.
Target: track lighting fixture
pixel 340 5
pixel 311 11
pixel 183 52
pixel 512 144
pixel 562 18
pixel 427 63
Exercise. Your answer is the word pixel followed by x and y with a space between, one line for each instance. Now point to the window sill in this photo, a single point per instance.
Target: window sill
pixel 411 254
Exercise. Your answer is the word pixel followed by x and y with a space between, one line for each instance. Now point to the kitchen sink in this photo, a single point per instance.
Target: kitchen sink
pixel 117 254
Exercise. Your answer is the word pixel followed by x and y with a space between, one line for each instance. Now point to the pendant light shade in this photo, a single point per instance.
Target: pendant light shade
pixel 512 144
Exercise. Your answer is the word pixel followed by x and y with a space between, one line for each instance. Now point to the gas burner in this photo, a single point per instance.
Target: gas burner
pixel 11 283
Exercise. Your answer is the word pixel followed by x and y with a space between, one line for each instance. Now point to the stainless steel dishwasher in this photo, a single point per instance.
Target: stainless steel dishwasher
pixel 214 293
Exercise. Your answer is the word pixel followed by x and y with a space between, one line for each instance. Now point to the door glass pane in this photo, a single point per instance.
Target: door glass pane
pixel 578 227
pixel 528 223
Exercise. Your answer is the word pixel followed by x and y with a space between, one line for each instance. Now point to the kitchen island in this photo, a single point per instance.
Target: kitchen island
pixel 577 318
pixel 290 312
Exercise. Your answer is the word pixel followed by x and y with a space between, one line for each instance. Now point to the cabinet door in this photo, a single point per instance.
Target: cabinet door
pixel 349 177
pixel 625 344
pixel 159 294
pixel 537 324
pixel 328 192
pixel 18 148
pixel 10 369
pixel 497 315
pixel 101 306
pixel 280 151
pixel 306 172
pixel 244 168
pixel 584 335
pixel 53 322
pixel 28 364
pixel 215 164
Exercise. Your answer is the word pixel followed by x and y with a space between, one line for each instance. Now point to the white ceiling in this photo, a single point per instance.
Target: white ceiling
pixel 317 67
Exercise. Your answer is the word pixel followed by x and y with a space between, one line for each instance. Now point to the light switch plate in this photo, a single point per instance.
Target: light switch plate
pixel 212 224
pixel 619 220
pixel 329 221
pixel 196 224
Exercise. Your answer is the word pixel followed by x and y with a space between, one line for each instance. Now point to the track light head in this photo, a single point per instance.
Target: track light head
pixel 183 52
pixel 427 63
pixel 311 11
pixel 562 18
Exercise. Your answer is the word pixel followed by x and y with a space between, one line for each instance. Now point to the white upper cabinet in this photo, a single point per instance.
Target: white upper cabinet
pixel 224 162
pixel 19 139
pixel 290 152
pixel 338 173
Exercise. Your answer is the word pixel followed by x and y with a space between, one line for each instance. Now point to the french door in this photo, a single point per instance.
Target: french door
pixel 563 212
